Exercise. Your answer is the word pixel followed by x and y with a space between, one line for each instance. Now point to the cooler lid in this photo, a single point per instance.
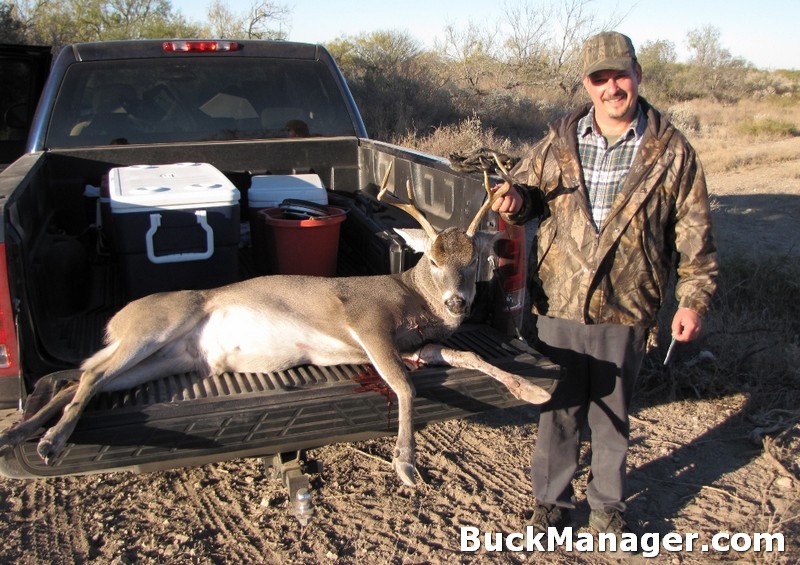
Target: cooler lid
pixel 270 189
pixel 272 182
pixel 179 185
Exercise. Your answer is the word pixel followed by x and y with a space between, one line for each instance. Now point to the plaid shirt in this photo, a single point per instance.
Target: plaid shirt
pixel 605 168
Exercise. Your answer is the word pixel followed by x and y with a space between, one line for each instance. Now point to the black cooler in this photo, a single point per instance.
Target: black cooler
pixel 174 227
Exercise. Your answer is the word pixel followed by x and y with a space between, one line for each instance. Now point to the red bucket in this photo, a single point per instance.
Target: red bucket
pixel 299 247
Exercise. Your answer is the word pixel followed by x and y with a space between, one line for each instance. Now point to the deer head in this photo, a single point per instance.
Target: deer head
pixel 448 270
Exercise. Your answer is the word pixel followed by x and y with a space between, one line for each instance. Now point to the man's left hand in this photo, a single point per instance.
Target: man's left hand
pixel 686 325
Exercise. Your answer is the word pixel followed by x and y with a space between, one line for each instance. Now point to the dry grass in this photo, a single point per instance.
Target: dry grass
pixel 466 135
pixel 729 137
pixel 726 136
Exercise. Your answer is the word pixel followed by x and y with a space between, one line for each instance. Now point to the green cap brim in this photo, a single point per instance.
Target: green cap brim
pixel 611 64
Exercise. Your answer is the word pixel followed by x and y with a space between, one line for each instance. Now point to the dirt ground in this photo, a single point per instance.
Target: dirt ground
pixel 693 468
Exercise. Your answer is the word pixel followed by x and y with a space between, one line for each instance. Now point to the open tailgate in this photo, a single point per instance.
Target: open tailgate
pixel 189 419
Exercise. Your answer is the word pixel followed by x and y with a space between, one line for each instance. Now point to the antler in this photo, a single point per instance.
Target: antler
pixel 493 195
pixel 410 208
pixel 503 171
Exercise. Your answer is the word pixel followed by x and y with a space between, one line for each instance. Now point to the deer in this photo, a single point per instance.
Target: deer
pixel 275 322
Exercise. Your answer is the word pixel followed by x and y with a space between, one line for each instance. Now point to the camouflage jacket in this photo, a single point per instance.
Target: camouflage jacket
pixel 660 221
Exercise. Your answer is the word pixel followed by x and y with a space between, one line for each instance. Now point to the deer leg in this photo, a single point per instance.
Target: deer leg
pixel 112 368
pixel 12 437
pixel 53 441
pixel 403 460
pixel 394 374
pixel 434 354
pixel 64 398
pixel 95 369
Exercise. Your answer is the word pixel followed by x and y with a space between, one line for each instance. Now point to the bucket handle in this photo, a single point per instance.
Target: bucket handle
pixel 202 221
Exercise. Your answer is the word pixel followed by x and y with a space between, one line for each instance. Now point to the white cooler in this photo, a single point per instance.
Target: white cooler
pixel 268 191
pixel 174 226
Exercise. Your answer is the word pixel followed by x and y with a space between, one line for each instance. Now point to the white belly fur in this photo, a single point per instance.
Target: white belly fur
pixel 238 338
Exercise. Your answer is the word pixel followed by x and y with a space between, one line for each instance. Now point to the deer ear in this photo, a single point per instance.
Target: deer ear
pixel 416 239
pixel 484 241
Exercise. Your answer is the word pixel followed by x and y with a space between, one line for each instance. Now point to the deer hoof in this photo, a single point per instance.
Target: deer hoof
pixel 406 471
pixel 6 442
pixel 49 448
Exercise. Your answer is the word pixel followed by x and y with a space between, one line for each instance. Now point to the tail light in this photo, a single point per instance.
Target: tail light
pixel 511 272
pixel 9 359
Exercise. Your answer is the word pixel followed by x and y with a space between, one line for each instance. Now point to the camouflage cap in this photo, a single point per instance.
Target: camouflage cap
pixel 608 50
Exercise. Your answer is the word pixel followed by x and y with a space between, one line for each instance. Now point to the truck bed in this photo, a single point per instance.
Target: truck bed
pixel 191 419
pixel 71 288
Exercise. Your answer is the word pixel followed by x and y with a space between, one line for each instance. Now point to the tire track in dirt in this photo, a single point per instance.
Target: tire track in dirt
pixel 488 462
pixel 54 529
pixel 213 508
pixel 481 470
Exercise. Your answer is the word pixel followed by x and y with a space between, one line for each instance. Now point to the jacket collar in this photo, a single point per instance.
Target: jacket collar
pixel 586 124
pixel 655 138
pixel 564 137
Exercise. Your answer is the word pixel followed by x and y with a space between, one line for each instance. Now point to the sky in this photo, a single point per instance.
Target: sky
pixel 762 32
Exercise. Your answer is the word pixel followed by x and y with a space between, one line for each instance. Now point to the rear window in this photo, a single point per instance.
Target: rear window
pixel 197 99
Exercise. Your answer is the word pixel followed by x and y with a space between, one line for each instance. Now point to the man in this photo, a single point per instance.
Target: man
pixel 621 198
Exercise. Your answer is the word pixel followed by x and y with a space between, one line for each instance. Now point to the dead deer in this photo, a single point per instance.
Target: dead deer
pixel 273 323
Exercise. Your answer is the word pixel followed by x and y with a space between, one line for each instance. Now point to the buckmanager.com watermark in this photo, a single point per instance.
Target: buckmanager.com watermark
pixel 648 545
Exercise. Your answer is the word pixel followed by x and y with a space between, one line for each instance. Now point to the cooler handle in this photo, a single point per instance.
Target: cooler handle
pixel 155 223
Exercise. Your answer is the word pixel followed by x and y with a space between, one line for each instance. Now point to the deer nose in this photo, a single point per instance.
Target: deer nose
pixel 456 304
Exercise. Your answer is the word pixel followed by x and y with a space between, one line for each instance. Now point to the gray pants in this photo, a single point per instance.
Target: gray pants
pixel 599 364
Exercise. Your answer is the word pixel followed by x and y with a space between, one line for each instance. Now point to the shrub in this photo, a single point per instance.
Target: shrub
pixel 465 135
pixel 763 126
pixel 684 118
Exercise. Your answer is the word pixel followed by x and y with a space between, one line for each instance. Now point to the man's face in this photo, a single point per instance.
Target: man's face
pixel 614 94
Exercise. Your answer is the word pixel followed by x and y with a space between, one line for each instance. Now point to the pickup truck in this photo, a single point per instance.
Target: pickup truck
pixel 235 106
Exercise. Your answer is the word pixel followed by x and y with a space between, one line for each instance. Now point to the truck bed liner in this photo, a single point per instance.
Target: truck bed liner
pixel 189 419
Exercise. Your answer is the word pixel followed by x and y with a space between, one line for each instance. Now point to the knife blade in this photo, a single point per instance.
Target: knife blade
pixel 670 350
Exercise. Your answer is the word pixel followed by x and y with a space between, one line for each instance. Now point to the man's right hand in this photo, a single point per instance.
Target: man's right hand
pixel 510 203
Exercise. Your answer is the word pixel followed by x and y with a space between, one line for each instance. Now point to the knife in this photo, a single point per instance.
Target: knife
pixel 670 349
